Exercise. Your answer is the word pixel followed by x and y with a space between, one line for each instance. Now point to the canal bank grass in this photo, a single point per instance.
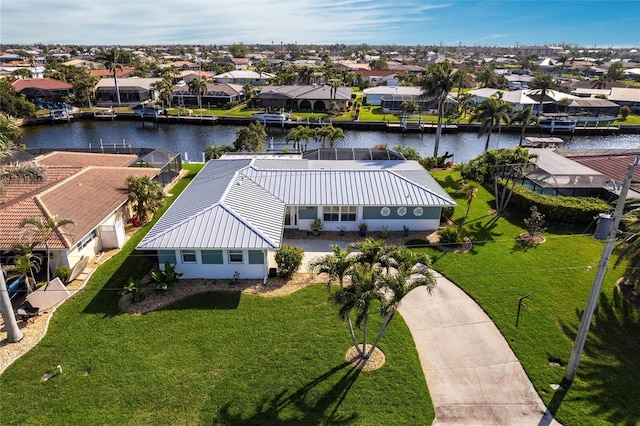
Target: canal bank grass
pixel 217 358
pixel 557 277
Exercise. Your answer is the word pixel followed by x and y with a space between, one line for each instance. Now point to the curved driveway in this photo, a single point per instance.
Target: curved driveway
pixel 473 376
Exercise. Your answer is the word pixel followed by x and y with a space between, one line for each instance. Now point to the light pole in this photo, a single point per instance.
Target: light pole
pixel 585 322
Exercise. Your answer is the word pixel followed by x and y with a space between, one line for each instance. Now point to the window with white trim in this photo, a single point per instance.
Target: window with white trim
pixel 339 213
pixel 188 256
pixel 236 256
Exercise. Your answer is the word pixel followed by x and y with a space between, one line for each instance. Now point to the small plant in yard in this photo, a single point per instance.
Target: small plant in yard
pixel 164 279
pixel 384 231
pixel 342 230
pixel 316 226
pixel 63 272
pixel 363 229
pixel 535 223
pixel 405 231
pixel 134 290
pixel 289 259
pixel 449 235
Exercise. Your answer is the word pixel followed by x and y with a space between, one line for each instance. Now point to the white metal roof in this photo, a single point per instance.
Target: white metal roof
pixel 240 203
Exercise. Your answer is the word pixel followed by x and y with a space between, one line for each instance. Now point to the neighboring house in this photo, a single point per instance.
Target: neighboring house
pixel 214 229
pixel 306 98
pixel 82 63
pixel 626 96
pixel 593 107
pixel 521 99
pixel 103 73
pixel 244 77
pixel 217 94
pixel 241 63
pixel 189 75
pixel 43 91
pixel 379 77
pixel 373 95
pixel 132 90
pixel 89 189
pixel 347 64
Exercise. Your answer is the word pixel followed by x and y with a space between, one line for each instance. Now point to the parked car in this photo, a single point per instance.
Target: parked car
pixel 16 286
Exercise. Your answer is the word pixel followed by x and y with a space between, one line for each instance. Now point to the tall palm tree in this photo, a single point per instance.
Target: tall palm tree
pixel 198 88
pixel 462 78
pixel 436 84
pixel 490 113
pixel 525 117
pixel 164 88
pixel 601 82
pixel 542 84
pixel 464 103
pixel 146 194
pixel 563 58
pixel 298 134
pixel 41 229
pixel 337 264
pixel 24 267
pixel 213 152
pixel 336 134
pixel 114 67
pixel 469 189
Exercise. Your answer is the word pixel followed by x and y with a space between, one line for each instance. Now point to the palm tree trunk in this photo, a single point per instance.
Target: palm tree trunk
pixel 524 127
pixel 438 129
pixel 486 145
pixel 385 324
pixel 115 82
pixel 353 336
pixel 13 331
pixel 364 334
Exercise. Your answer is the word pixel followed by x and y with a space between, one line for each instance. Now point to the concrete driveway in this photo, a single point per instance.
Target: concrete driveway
pixel 473 376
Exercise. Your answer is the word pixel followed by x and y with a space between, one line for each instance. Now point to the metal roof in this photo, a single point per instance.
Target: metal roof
pixel 240 203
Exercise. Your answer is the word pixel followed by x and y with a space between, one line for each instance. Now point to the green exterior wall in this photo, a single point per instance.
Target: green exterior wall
pixel 427 213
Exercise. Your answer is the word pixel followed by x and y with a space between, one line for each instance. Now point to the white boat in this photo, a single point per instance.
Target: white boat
pixel 269 117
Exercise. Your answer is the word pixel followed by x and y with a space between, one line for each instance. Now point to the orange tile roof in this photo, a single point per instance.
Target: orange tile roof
pixel 84 159
pixel 108 73
pixel 84 191
pixel 40 83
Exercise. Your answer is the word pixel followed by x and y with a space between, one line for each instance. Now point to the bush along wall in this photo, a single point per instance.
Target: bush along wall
pixel 557 208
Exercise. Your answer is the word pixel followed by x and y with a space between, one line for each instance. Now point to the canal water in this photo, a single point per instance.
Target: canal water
pixel 191 140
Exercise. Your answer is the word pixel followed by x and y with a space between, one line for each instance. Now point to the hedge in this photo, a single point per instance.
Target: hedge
pixel 558 208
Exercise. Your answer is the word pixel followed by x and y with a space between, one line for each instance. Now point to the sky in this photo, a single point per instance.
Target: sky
pixel 587 23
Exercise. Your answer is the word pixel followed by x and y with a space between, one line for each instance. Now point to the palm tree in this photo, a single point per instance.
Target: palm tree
pixel 213 152
pixel 601 82
pixel 462 78
pixel 337 264
pixel 563 58
pixel 491 112
pixel 146 194
pixel 113 66
pixel 198 88
pixel 436 84
pixel 336 134
pixel 42 229
pixel 358 297
pixel 542 84
pixel 470 189
pixel 298 134
pixel 24 267
pixel 525 117
pixel 6 309
pixel 164 88
pixel 464 102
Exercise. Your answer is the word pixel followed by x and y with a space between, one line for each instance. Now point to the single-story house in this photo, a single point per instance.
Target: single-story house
pixel 214 230
pixel 103 73
pixel 379 77
pixel 311 98
pixel 244 77
pixel 373 95
pixel 217 94
pixel 626 96
pixel 88 188
pixel 132 90
pixel 43 91
pixel 593 106
pixel 521 99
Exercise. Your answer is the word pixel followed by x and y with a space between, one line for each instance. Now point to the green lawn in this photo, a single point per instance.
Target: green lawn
pixel 219 358
pixel 559 273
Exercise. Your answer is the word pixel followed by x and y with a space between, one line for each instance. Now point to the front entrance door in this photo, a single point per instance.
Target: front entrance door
pixel 291 217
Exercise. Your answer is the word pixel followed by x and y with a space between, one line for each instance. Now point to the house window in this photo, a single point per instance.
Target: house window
pixel 166 256
pixel 235 256
pixel 188 256
pixel 212 257
pixel 86 240
pixel 339 213
pixel 256 257
pixel 331 213
pixel 348 213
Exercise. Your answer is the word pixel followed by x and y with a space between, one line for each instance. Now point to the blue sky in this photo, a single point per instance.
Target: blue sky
pixel 404 22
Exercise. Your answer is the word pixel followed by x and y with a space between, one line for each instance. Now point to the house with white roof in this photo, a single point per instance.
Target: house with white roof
pixel 521 99
pixel 244 77
pixel 232 216
pixel 374 95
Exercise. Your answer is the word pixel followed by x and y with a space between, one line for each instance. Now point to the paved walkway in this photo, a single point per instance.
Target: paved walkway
pixel 473 376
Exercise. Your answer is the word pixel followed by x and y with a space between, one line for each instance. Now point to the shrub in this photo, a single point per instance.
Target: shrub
pixel 625 111
pixel 557 208
pixel 63 272
pixel 164 279
pixel 134 290
pixel 449 235
pixel 289 259
pixel 535 222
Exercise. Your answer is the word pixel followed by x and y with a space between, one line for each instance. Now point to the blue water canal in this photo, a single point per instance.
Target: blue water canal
pixel 192 139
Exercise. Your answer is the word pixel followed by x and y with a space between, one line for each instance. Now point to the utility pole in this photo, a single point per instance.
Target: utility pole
pixel 13 331
pixel 585 322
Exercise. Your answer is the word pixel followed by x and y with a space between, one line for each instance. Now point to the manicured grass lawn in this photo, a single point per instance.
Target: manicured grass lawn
pixel 219 358
pixel 559 274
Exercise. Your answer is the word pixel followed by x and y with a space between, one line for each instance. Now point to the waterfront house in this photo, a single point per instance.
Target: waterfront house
pixel 46 93
pixel 132 90
pixel 232 216
pixel 306 98
pixel 217 94
pixel 88 188
pixel 374 95
pixel 244 77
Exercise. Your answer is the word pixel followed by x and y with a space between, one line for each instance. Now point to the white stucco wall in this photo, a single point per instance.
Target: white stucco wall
pixel 226 270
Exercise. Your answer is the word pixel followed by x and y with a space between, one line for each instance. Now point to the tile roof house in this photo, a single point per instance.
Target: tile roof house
pixel 39 90
pixel 309 97
pixel 233 214
pixel 89 189
pixel 132 90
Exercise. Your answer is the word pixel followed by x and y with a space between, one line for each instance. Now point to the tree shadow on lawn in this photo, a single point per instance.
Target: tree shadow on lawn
pixel 311 410
pixel 610 374
pixel 135 265
pixel 481 231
